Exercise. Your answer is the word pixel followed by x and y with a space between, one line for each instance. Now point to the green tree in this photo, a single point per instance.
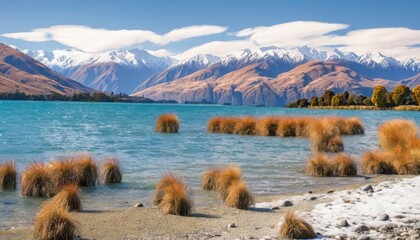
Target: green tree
pixel 379 96
pixel 326 98
pixel 337 100
pixel 416 94
pixel 367 102
pixel 389 100
pixel 314 101
pixel 351 100
pixel 400 94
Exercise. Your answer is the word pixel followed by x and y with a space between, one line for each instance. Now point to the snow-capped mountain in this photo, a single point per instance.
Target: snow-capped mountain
pixel 113 71
pixel 133 70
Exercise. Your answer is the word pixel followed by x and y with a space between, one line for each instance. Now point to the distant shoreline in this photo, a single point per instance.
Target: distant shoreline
pixel 356 107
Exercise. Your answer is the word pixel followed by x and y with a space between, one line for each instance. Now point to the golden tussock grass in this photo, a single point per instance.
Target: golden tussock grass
pixel 110 171
pixel 213 126
pixel 167 180
pixel 171 196
pixel 209 179
pixel 354 126
pixel 36 181
pixel 239 195
pixel 398 133
pixel 407 163
pixel 342 165
pixel 325 136
pixel 55 222
pixel 267 126
pixel 226 178
pixel 375 162
pixel 302 126
pixel 318 166
pixel 294 227
pixel 167 123
pixel 69 198
pixel 86 169
pixel 286 127
pixel 63 172
pixel 8 176
pixel 245 126
pixel 227 125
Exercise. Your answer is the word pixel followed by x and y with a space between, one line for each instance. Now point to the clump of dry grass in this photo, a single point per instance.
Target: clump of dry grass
pixel 354 126
pixel 286 127
pixel 55 222
pixel 325 136
pixel 376 163
pixel 110 171
pixel 36 181
pixel 343 165
pixel 167 180
pixel 302 126
pixel 398 133
pixel 295 227
pixel 167 123
pixel 8 176
pixel 407 163
pixel 68 197
pixel 245 126
pixel 319 166
pixel 239 196
pixel 227 125
pixel 226 178
pixel 171 196
pixel 87 171
pixel 209 179
pixel 267 126
pixel 63 172
pixel 213 126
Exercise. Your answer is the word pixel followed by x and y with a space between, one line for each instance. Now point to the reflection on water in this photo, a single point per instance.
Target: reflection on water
pixel 32 131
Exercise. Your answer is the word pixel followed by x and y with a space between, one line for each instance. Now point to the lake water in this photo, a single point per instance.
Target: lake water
pixel 40 131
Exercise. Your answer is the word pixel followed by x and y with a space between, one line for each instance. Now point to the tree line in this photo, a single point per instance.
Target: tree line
pixel 381 98
pixel 78 97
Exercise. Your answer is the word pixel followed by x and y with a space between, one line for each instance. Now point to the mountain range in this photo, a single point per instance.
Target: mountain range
pixel 268 76
pixel 19 72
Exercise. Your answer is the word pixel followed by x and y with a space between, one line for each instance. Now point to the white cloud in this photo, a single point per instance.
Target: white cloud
pixel 397 42
pixel 291 34
pixel 98 40
pixel 160 52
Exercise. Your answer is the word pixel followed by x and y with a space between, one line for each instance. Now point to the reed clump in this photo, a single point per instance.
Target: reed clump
pixel 375 162
pixel 110 171
pixel 319 166
pixel 238 195
pixel 69 198
pixel 226 178
pixel 245 126
pixel 294 227
pixel 55 222
pixel 63 172
pixel 209 179
pixel 167 123
pixel 325 136
pixel 213 126
pixel 227 125
pixel 267 126
pixel 8 176
pixel 354 126
pixel 302 126
pixel 171 196
pixel 87 170
pixel 37 181
pixel 286 127
pixel 342 165
pixel 398 133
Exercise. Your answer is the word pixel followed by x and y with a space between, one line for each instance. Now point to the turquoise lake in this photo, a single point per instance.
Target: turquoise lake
pixel 41 131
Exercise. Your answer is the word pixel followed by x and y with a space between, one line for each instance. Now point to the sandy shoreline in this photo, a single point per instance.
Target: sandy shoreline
pixel 206 222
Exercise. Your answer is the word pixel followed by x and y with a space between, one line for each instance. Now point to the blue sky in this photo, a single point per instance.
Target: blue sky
pixel 322 24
